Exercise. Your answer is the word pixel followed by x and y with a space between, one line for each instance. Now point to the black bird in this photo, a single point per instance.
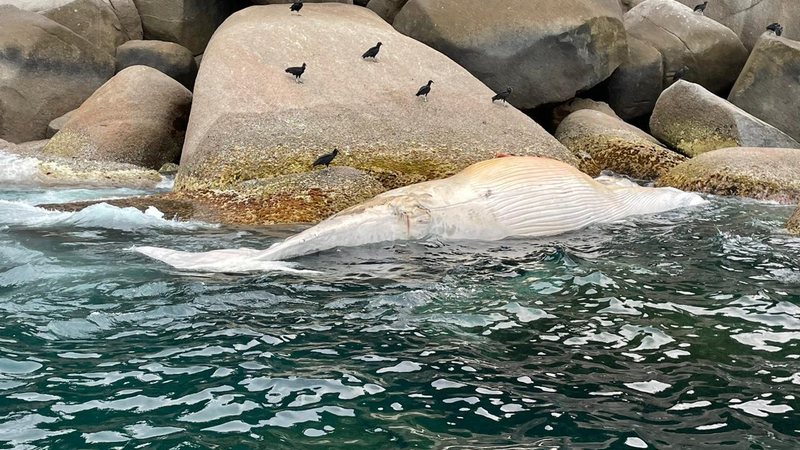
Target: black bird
pixel 425 90
pixel 775 28
pixel 296 6
pixel 701 8
pixel 502 96
pixel 680 73
pixel 297 72
pixel 373 52
pixel 325 160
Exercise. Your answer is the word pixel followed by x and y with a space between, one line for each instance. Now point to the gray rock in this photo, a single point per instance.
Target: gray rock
pixel 603 142
pixel 286 2
pixel 769 85
pixel 693 120
pixel 635 86
pixel 748 18
pixel 387 9
pixel 563 110
pixel 256 122
pixel 104 23
pixel 187 22
pixel 762 173
pixel 48 70
pixel 170 58
pixel 712 52
pixel 794 222
pixel 139 117
pixel 546 50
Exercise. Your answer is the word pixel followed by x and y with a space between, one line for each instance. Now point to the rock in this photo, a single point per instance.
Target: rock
pixel 35 168
pixel 139 117
pixel 169 169
pixel 769 85
pixel 170 58
pixel 692 120
pixel 387 9
pixel 187 22
pixel 794 222
pixel 97 21
pixel 635 86
pixel 129 18
pixel 563 110
pixel 547 50
pixel 761 173
pixel 604 142
pixel 747 18
pixel 279 2
pixel 56 124
pixel 255 122
pixel 712 52
pixel 48 70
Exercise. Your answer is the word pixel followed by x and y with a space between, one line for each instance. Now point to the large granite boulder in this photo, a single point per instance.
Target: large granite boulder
pixel 712 52
pixel 693 120
pixel 546 50
pixel 286 2
pixel 138 117
pixel 104 23
pixel 747 18
pixel 762 173
pixel 47 70
pixel 251 120
pixel 56 124
pixel 794 222
pixel 187 22
pixel 635 86
pixel 170 58
pixel 29 166
pixel 769 85
pixel 387 9
pixel 603 142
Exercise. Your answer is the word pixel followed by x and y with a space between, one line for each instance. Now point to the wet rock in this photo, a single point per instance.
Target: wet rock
pixel 187 22
pixel 547 50
pixel 603 142
pixel 256 122
pixel 139 117
pixel 712 52
pixel 169 169
pixel 167 57
pixel 635 86
pixel 561 111
pixel 769 85
pixel 794 222
pixel 761 173
pixel 48 70
pixel 693 120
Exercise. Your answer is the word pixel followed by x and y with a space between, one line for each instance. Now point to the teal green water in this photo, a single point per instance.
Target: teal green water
pixel 674 331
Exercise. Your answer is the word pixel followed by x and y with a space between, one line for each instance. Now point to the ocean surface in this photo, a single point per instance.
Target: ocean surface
pixel 680 330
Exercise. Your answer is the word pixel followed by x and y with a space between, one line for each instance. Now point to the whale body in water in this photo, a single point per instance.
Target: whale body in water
pixel 489 200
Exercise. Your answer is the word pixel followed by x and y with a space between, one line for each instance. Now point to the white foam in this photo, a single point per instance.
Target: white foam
pixel 101 215
pixel 17 169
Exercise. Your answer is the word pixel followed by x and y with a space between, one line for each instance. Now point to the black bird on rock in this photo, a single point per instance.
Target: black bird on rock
pixel 296 6
pixel 425 90
pixel 326 159
pixel 502 96
pixel 680 73
pixel 373 52
pixel 701 8
pixel 297 72
pixel 775 28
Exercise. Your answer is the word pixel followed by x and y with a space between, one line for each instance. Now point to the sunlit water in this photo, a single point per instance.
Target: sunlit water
pixel 674 331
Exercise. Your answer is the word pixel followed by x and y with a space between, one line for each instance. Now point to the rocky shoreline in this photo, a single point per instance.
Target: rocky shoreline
pixel 105 92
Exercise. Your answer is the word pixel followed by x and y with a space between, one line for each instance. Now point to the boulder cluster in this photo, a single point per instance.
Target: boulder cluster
pixel 650 89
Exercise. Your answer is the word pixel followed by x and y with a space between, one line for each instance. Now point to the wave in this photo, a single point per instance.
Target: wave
pixel 100 215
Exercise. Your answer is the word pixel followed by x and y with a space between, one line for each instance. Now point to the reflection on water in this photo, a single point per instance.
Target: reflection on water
pixel 679 330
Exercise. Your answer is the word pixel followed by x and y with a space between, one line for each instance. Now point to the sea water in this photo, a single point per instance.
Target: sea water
pixel 680 330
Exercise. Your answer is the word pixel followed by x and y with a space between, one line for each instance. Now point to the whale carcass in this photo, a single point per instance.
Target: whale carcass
pixel 490 200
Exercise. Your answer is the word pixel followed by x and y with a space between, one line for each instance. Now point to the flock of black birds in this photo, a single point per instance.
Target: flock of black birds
pixel 372 53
